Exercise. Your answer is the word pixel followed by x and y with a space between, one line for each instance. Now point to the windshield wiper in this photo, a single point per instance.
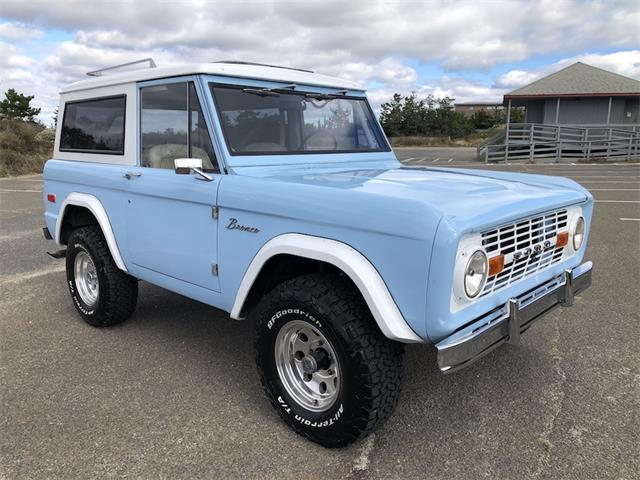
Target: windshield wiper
pixel 262 92
pixel 326 96
pixel 269 92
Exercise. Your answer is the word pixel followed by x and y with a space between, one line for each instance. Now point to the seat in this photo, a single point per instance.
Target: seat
pixel 264 147
pixel 162 156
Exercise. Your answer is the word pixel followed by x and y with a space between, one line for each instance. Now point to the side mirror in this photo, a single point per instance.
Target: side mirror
pixel 184 166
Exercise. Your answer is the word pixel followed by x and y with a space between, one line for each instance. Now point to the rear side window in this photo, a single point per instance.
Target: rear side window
pixel 94 126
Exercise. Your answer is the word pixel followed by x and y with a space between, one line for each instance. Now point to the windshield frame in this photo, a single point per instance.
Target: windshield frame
pixel 300 90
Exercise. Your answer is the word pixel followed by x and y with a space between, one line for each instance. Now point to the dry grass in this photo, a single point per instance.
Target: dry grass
pixel 24 147
pixel 471 140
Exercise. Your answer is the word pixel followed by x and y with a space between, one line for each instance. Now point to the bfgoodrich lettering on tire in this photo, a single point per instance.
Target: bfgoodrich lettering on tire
pixel 324 364
pixel 102 293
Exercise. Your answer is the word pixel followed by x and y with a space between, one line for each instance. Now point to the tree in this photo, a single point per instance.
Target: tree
pixel 16 106
pixel 391 116
pixel 413 115
pixel 430 116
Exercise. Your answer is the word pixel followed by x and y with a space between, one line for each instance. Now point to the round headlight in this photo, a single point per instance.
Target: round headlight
pixel 475 274
pixel 578 233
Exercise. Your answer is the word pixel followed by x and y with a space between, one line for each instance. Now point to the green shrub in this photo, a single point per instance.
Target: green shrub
pixel 24 146
pixel 409 116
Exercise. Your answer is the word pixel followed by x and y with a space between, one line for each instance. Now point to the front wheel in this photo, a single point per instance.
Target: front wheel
pixel 324 364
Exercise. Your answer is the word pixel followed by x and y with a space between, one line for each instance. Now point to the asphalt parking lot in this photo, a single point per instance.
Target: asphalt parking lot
pixel 173 393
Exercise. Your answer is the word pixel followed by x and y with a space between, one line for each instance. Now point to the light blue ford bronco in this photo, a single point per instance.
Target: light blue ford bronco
pixel 272 194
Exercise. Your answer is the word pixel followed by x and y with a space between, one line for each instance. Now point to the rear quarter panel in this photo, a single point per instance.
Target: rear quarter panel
pixel 100 180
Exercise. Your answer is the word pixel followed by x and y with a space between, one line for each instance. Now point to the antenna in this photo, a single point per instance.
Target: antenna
pixel 98 73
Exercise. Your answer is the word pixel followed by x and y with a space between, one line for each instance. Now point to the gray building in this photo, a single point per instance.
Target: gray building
pixel 579 95
pixel 578 113
pixel 469 108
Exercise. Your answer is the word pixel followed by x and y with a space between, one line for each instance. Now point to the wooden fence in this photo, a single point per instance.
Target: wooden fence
pixel 533 141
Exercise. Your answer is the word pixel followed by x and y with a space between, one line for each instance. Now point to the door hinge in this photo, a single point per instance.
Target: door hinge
pixel 214 269
pixel 215 212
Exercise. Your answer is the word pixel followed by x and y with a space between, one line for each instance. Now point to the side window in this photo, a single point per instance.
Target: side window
pixel 199 135
pixel 172 126
pixel 94 126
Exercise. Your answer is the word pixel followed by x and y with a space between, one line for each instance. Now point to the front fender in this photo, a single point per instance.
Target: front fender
pixel 347 259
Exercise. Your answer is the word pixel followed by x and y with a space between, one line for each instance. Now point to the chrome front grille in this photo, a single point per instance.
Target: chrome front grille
pixel 528 246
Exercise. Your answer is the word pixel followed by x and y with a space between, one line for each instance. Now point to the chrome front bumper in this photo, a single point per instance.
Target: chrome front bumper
pixel 506 323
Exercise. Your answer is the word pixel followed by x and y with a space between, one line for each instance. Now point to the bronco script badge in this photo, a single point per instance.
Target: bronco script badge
pixel 234 225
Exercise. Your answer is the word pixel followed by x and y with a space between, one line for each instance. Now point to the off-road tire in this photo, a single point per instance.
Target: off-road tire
pixel 370 364
pixel 118 291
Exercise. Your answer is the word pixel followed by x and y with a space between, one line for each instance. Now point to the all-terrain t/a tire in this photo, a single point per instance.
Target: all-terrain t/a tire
pixel 103 294
pixel 323 362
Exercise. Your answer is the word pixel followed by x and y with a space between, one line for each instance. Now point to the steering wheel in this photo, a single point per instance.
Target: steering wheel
pixel 319 133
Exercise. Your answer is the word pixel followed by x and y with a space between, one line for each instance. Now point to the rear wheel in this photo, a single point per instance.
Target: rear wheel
pixel 326 367
pixel 103 294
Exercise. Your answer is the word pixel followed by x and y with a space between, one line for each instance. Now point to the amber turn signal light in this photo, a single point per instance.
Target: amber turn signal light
pixel 496 265
pixel 562 239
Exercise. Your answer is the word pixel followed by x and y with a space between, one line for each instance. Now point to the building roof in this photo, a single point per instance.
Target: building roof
pixel 478 104
pixel 238 70
pixel 580 80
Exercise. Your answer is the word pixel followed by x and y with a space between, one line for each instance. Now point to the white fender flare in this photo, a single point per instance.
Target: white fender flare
pixel 351 262
pixel 94 206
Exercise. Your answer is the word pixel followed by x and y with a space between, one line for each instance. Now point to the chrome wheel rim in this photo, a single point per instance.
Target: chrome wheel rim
pixel 307 366
pixel 86 278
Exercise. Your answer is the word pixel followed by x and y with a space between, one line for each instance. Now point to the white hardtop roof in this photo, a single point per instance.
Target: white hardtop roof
pixel 238 70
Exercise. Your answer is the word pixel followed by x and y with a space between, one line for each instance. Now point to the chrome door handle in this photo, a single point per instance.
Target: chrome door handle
pixel 130 175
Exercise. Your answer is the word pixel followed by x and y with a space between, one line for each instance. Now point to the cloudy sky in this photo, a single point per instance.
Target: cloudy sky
pixel 470 50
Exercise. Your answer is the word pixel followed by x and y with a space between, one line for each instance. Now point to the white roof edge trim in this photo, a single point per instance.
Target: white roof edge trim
pixel 367 279
pixel 253 72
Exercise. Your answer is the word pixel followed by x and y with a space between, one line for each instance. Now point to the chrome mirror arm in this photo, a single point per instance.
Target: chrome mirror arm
pixel 201 175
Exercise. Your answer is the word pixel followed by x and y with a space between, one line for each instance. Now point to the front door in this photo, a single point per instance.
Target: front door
pixel 171 220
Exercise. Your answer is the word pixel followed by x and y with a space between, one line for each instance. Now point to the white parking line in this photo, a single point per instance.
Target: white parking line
pixel 361 464
pixel 436 160
pixel 603 176
pixel 449 161
pixel 408 159
pixel 630 219
pixel 586 165
pixel 620 181
pixel 24 191
pixel 20 277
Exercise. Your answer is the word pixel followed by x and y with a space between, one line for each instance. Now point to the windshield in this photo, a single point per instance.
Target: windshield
pixel 261 121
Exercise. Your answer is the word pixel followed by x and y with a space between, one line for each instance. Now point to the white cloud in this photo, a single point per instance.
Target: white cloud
pixel 625 63
pixel 22 73
pixel 18 32
pixel 516 79
pixel 369 42
pixel 462 35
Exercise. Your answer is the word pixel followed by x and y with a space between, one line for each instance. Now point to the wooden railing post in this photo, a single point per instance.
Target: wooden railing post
pixel 532 148
pixel 506 133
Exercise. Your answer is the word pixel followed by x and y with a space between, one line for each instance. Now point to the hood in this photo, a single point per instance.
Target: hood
pixel 486 197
